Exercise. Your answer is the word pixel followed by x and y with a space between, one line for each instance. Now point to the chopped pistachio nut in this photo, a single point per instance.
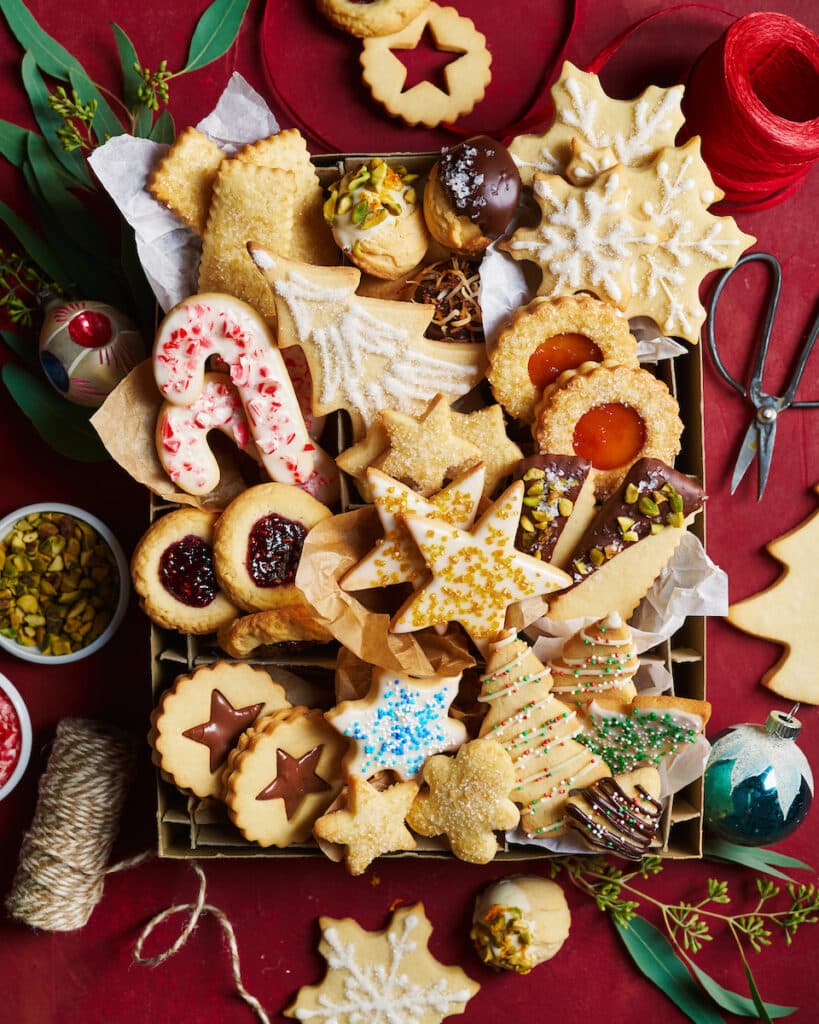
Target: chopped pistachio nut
pixel 647 506
pixel 657 528
pixel 373 192
pixel 596 556
pixel 625 523
pixel 565 506
pixel 631 495
pixel 533 474
pixel 675 519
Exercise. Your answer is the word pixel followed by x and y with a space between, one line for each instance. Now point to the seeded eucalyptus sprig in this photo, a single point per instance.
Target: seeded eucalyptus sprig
pixel 667 959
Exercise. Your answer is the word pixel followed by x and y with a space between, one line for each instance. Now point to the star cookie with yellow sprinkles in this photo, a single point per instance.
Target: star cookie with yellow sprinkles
pixel 476 574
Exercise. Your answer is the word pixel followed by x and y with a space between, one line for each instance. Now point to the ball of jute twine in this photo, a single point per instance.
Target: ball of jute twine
pixel 64 855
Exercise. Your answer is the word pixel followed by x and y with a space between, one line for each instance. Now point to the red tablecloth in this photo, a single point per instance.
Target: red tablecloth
pixel 88 976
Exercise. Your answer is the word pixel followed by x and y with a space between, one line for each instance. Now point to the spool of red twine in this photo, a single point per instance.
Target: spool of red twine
pixel 754 98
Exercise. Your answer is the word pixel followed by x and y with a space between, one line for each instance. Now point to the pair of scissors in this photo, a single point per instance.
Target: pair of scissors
pixel 759 438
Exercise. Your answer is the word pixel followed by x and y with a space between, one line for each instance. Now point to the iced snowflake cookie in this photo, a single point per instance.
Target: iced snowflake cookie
pixel 200 718
pixel 520 922
pixel 467 76
pixel 466 798
pixel 382 977
pixel 605 131
pixel 557 507
pixel 597 660
pixel 611 415
pixel 539 732
pixel 628 543
pixel 619 815
pixel 283 774
pixel 257 544
pixel 451 287
pixel 376 220
pixel 471 195
pixel 370 823
pixel 172 571
pixel 398 724
pixel 365 354
pixel 548 336
pixel 364 18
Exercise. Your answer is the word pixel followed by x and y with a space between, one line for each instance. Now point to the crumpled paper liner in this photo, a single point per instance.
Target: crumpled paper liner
pixel 125 423
pixel 331 548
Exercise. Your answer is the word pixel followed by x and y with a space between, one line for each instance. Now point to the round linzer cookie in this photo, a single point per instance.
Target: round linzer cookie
pixel 549 336
pixel 258 541
pixel 283 775
pixel 172 571
pixel 200 719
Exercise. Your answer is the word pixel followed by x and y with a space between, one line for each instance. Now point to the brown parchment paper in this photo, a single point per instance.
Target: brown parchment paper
pixel 126 424
pixel 333 547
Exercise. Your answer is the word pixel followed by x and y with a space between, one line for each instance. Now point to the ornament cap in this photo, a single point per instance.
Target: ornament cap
pixel 783 724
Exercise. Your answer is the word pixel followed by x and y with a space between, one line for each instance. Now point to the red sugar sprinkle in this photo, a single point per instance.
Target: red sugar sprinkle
pixel 10 738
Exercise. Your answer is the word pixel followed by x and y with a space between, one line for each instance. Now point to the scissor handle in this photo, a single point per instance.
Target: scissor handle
pixel 767 326
pixel 787 399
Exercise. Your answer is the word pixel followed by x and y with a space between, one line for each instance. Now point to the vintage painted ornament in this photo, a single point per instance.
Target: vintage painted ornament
pixel 758 783
pixel 86 348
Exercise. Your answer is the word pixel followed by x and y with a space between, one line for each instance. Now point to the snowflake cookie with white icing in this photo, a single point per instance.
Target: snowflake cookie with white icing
pixel 382 977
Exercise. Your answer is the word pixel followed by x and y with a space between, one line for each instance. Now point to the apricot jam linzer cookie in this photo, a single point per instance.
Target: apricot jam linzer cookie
pixel 172 571
pixel 467 76
pixel 366 18
pixel 557 507
pixel 629 542
pixel 611 415
pixel 548 336
pixel 597 660
pixel 258 541
pixel 200 719
pixel 282 776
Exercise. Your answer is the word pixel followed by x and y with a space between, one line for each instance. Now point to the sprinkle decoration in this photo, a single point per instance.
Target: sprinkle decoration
pixel 638 739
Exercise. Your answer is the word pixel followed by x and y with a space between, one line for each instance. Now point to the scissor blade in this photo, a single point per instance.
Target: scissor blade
pixel 750 446
pixel 767 434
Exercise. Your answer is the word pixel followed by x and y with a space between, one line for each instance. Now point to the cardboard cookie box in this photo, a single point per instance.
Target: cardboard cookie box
pixel 189 827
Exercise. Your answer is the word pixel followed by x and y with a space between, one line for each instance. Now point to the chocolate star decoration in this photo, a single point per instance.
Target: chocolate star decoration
pixel 295 778
pixel 224 728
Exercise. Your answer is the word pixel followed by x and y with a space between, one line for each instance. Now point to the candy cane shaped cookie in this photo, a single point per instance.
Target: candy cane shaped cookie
pixel 218 325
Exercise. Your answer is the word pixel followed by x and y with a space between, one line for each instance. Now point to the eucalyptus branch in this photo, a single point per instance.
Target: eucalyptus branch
pixel 78 118
pixel 20 284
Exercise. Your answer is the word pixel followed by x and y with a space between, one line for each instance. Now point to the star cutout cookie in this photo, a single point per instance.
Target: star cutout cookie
pixel 486 429
pixel 364 354
pixel 383 977
pixel 224 727
pixel 467 799
pixel 476 574
pixel 632 131
pixel 424 451
pixel 396 558
pixel 398 724
pixel 371 824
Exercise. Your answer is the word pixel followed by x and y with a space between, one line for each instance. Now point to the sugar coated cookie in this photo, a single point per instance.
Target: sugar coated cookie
pixel 387 975
pixel 557 507
pixel 172 571
pixel 366 18
pixel 548 336
pixel 258 541
pixel 282 776
pixel 471 195
pixel 597 660
pixel 619 815
pixel 520 922
pixel 466 799
pixel 376 219
pixel 200 718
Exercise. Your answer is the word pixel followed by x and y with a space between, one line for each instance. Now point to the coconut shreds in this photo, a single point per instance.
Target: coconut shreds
pixel 451 286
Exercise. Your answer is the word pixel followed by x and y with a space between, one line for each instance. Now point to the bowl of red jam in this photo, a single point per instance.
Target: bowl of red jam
pixel 15 737
pixel 63 583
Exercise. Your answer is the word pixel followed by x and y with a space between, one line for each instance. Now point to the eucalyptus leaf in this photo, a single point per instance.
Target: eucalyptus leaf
pixel 733 1002
pixel 50 122
pixel 51 58
pixel 757 858
pixel 36 247
pixel 163 129
pixel 655 957
pixel 13 142
pixel 761 1008
pixel 62 425
pixel 215 32
pixel 131 78
pixel 106 124
pixel 23 347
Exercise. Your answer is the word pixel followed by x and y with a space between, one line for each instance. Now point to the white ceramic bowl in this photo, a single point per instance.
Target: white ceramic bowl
pixel 33 653
pixel 25 736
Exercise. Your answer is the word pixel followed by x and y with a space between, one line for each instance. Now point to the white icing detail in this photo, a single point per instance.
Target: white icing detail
pixel 752 748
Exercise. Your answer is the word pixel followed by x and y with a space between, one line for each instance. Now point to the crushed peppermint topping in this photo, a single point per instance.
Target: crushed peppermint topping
pixel 10 738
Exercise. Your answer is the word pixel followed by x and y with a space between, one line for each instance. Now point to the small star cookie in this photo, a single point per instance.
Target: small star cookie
pixel 467 799
pixel 371 824
pixel 383 977
pixel 486 429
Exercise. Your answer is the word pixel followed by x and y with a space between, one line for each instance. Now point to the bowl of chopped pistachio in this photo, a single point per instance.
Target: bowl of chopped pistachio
pixel 63 583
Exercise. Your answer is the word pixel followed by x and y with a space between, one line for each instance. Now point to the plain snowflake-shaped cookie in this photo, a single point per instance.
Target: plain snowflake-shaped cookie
pixel 383 977
pixel 467 799
pixel 632 131
pixel 587 240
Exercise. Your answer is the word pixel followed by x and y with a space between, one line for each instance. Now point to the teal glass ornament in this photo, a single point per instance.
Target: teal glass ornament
pixel 758 783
